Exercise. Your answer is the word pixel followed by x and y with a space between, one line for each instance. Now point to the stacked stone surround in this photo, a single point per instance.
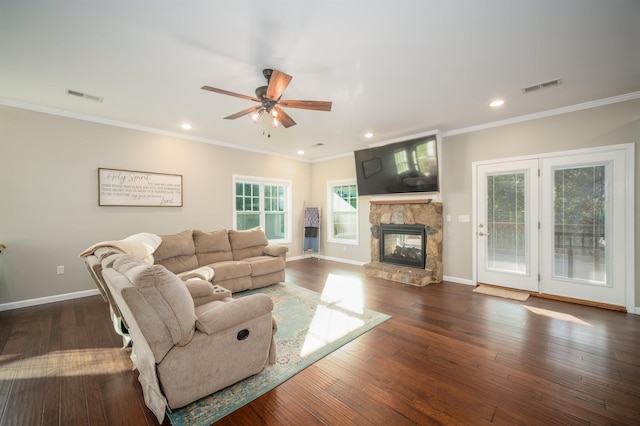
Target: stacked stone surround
pixel 421 211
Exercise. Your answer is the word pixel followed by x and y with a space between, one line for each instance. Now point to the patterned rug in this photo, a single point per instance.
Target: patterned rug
pixel 310 326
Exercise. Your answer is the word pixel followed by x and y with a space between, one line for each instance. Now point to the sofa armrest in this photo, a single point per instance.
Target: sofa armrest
pixel 198 288
pixel 202 291
pixel 234 312
pixel 274 250
pixel 204 273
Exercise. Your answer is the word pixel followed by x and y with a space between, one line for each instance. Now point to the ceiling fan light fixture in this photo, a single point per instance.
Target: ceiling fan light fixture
pixel 270 100
pixel 255 116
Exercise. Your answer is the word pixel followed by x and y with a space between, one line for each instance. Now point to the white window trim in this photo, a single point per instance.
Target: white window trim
pixel 329 215
pixel 267 181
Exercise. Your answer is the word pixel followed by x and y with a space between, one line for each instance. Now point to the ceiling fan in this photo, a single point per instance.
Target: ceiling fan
pixel 270 100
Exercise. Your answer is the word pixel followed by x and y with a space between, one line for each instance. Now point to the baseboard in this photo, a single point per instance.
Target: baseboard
pixel 338 259
pixel 458 280
pixel 48 299
pixel 334 259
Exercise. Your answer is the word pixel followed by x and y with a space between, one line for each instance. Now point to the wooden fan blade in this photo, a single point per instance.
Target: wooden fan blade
pixel 284 118
pixel 226 92
pixel 278 82
pixel 244 112
pixel 314 105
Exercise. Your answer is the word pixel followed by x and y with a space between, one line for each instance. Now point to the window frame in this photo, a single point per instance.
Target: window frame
pixel 329 221
pixel 262 181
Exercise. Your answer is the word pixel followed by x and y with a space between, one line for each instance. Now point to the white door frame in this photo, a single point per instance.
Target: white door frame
pixel 629 252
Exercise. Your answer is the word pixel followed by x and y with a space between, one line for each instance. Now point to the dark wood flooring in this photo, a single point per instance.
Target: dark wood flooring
pixel 448 356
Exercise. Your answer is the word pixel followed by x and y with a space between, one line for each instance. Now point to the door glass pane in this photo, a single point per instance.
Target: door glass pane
pixel 506 230
pixel 579 236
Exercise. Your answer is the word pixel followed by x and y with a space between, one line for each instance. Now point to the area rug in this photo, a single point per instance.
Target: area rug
pixel 501 292
pixel 310 326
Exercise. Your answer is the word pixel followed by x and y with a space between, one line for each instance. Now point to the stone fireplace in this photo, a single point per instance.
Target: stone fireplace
pixel 406 241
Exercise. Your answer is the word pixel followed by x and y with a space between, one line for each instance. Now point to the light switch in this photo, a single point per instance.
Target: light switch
pixel 60 269
pixel 464 218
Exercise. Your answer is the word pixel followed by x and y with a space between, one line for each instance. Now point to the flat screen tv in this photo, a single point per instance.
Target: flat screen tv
pixel 407 166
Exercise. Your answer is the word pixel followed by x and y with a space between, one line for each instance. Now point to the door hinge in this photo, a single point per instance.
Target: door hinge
pixel 538 225
pixel 538 277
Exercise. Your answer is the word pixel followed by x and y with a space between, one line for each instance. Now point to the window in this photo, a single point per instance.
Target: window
pixel 342 202
pixel 265 203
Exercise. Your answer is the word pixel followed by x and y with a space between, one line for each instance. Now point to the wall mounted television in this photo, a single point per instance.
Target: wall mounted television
pixel 401 167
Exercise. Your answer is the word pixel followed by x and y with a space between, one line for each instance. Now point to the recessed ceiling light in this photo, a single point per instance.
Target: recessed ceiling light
pixel 368 135
pixel 300 152
pixel 185 126
pixel 496 103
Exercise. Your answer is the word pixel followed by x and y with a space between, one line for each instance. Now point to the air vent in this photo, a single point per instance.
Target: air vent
pixel 546 84
pixel 84 95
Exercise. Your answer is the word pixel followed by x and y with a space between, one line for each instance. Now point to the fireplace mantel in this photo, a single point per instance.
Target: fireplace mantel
pixel 422 211
pixel 407 201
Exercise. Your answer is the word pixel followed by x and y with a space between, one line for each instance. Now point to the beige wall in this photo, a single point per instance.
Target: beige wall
pixel 333 170
pixel 49 208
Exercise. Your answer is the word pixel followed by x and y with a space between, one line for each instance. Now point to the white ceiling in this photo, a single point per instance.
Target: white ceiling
pixel 395 68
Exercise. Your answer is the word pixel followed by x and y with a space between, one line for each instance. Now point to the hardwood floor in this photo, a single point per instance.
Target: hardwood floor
pixel 447 356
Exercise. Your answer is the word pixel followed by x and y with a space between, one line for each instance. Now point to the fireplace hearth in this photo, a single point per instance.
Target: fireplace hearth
pixel 403 244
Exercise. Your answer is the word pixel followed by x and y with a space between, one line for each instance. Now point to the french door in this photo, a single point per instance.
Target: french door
pixel 507 224
pixel 583 203
pixel 560 224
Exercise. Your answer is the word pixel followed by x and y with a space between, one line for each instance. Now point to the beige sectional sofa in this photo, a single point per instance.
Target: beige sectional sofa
pixel 236 260
pixel 170 297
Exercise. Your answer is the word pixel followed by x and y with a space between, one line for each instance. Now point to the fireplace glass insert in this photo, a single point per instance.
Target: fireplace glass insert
pixel 403 245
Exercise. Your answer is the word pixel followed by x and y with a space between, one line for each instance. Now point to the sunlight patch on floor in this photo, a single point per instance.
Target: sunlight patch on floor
pixel 340 312
pixel 556 315
pixel 348 292
pixel 67 363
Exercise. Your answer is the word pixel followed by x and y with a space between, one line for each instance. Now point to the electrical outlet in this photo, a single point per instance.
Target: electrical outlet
pixel 60 270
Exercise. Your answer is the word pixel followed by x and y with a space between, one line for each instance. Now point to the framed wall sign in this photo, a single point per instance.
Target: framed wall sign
pixel 141 189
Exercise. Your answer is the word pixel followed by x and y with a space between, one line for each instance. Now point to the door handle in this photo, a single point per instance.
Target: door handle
pixel 482 234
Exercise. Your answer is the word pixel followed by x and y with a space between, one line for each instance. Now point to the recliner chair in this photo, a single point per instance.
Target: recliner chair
pixel 189 339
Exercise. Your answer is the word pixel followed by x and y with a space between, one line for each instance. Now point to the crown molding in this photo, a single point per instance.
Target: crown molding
pixel 543 114
pixel 84 117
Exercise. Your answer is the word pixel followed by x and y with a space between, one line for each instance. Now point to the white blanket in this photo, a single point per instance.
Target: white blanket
pixel 141 245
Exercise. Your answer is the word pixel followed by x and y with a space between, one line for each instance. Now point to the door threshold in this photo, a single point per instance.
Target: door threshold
pixel 581 302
